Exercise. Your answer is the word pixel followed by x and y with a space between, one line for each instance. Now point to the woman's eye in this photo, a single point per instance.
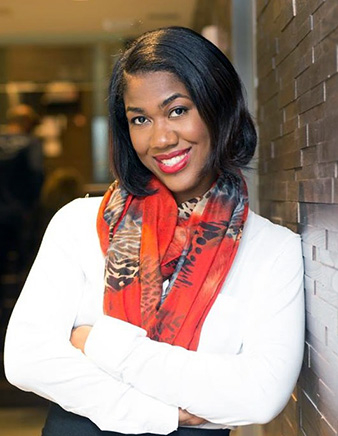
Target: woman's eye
pixel 139 120
pixel 177 112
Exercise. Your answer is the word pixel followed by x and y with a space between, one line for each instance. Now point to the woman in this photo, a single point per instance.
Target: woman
pixel 203 302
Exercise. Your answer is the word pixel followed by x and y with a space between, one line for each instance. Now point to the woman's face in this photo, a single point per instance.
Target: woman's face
pixel 167 133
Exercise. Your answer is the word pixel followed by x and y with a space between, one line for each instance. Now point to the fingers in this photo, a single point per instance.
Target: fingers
pixel 186 418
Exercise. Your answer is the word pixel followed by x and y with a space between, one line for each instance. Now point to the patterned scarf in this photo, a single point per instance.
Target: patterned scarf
pixel 147 244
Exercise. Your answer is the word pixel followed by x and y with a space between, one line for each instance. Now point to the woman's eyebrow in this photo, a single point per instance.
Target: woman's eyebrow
pixel 172 98
pixel 165 102
pixel 135 109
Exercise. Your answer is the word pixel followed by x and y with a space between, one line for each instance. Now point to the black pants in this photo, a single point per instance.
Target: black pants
pixel 62 423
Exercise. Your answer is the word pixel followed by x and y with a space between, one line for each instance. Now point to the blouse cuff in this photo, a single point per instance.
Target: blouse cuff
pixel 110 341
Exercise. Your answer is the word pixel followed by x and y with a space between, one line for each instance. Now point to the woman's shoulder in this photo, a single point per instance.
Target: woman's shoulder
pixel 76 219
pixel 259 226
pixel 266 237
pixel 81 207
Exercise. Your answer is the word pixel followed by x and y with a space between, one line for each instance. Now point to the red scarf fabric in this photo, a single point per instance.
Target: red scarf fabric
pixel 145 244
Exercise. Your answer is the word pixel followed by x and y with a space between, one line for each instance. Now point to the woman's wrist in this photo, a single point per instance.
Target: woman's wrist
pixel 79 336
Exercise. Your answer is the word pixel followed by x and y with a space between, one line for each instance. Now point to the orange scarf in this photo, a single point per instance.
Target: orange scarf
pixel 145 244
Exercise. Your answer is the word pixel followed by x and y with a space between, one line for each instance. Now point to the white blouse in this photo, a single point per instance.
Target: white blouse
pixel 248 359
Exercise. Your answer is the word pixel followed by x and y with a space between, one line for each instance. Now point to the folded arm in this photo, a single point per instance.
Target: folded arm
pixel 250 387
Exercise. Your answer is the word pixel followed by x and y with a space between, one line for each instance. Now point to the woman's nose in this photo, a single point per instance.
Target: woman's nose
pixel 163 135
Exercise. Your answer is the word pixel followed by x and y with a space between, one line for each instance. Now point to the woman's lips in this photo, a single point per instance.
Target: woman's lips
pixel 173 162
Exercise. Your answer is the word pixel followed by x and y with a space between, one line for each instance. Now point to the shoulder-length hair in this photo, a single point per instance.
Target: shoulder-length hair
pixel 213 85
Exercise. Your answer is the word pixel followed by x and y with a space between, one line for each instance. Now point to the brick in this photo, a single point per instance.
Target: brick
pixel 327 294
pixel 328 314
pixel 270 87
pixel 320 365
pixel 314 236
pixel 264 151
pixel 327 257
pixel 309 283
pixel 326 18
pixel 277 8
pixel 321 428
pixel 303 55
pixel 287 94
pixel 268 167
pixel 291 226
pixel 307 250
pixel 287 211
pixel 292 35
pixel 297 60
pixel 320 273
pixel 286 13
pixel 335 191
pixel 327 151
pixel 316 132
pixel 292 191
pixel 312 98
pixel 264 66
pixel 327 170
pixel 266 47
pixel 289 126
pixel 287 176
pixel 264 208
pixel 325 47
pixel 306 172
pixel 290 111
pixel 319 215
pixel 331 125
pixel 327 403
pixel 310 6
pixel 324 67
pixel 279 190
pixel 333 346
pixel 317 361
pixel 309 382
pixel 314 329
pixel 334 281
pixel 312 115
pixel 309 155
pixel 292 142
pixel 332 90
pixel 332 240
pixel 291 160
pixel 315 191
pixel 273 130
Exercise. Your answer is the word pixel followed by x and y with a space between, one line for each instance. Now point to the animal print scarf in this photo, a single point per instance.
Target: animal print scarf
pixel 164 272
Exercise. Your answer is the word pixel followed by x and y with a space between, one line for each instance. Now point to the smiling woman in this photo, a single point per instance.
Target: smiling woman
pixel 198 324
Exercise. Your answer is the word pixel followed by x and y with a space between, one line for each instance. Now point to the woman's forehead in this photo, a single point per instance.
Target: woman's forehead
pixel 153 86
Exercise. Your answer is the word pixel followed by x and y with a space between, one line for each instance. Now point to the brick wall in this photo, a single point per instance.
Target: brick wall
pixel 298 128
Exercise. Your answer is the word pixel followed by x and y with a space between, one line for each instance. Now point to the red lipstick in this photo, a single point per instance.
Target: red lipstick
pixel 173 162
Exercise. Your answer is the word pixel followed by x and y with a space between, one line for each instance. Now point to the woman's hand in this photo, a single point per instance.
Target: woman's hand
pixel 78 340
pixel 186 418
pixel 79 336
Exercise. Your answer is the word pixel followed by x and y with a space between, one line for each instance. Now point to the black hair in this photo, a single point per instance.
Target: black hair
pixel 213 85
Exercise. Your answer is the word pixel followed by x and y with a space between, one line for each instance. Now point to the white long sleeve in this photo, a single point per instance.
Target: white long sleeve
pixel 38 355
pixel 251 386
pixel 248 358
